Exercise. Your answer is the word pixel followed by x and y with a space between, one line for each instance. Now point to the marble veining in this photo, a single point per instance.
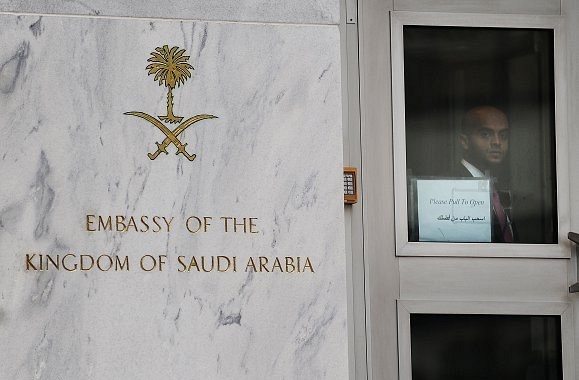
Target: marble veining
pixel 10 70
pixel 297 11
pixel 274 153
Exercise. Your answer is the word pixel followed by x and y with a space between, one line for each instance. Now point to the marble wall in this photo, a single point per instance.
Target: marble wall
pixel 70 154
pixel 286 11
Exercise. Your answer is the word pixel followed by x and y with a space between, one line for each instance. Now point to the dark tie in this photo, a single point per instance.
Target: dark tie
pixel 506 232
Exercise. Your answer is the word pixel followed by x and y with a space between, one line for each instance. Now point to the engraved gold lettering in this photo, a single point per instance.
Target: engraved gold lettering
pixel 89 223
pixel 221 263
pixel 144 220
pixel 203 264
pixel 263 263
pixel 250 263
pixel 236 224
pixel 226 220
pixel 206 220
pixel 220 260
pixel 194 223
pixel 193 264
pixel 82 262
pixel 252 225
pixel 239 224
pixel 276 264
pixel 108 226
pixel 156 221
pixel 120 225
pixel 162 260
pixel 309 265
pixel 65 266
pixel 151 266
pixel 207 263
pixel 110 263
pixel 131 224
pixel 289 264
pixel 29 262
pixel 189 224
pixel 180 261
pixel 128 223
pixel 72 262
pixel 55 264
pixel 121 265
pixel 168 223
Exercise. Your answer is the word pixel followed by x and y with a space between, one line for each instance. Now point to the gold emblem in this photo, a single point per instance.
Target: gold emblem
pixel 171 69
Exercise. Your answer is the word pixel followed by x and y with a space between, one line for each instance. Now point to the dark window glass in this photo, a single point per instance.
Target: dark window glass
pixel 485 347
pixel 486 96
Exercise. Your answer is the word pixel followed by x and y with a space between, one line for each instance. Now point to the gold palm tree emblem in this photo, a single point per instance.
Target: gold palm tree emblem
pixel 171 69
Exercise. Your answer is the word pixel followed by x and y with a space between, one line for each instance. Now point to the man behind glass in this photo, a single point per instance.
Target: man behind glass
pixel 484 138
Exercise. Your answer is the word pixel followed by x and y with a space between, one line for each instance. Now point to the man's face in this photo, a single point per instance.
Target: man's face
pixel 487 144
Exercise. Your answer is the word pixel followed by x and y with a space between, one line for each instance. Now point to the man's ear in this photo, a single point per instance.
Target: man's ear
pixel 463 139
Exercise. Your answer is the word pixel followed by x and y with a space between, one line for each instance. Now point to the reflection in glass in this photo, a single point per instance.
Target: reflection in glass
pixel 485 347
pixel 480 103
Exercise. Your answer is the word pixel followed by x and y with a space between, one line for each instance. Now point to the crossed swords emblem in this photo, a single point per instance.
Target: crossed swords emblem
pixel 171 69
pixel 172 136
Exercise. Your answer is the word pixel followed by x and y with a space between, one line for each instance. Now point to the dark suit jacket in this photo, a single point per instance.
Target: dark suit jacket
pixel 496 234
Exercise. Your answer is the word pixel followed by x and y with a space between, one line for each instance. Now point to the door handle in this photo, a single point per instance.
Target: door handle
pixel 574 237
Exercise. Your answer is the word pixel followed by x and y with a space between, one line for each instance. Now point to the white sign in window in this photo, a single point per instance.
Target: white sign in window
pixel 454 210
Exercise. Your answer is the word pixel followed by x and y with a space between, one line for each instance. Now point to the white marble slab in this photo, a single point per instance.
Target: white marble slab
pixel 274 153
pixel 286 11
